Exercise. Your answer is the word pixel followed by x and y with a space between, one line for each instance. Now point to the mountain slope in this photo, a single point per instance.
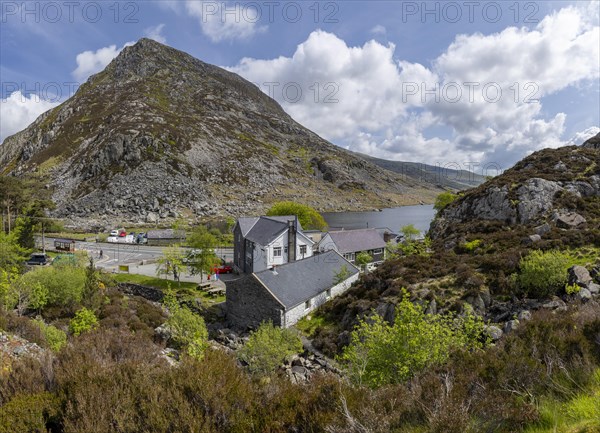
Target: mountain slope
pixel 159 133
pixel 442 177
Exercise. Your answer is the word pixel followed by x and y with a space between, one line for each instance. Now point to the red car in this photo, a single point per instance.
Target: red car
pixel 122 233
pixel 224 269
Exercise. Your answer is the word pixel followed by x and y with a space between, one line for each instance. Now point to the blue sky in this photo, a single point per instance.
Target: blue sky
pixel 411 81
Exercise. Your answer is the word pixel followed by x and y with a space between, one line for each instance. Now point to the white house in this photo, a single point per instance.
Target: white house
pixel 350 243
pixel 265 242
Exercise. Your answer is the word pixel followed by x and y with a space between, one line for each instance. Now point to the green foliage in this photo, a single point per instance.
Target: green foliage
pixel 410 232
pixel 268 347
pixel 55 338
pixel 28 413
pixel 12 255
pixel 363 258
pixel 308 217
pixel 572 289
pixel 203 258
pixel 471 246
pixel 84 321
pixel 341 275
pixel 64 285
pixel 543 273
pixel 443 200
pixel 380 353
pixel 171 262
pixel 188 329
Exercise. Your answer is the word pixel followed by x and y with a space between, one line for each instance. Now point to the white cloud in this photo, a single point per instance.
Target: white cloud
pixel 18 111
pixel 222 21
pixel 582 136
pixel 383 107
pixel 90 62
pixel 379 30
pixel 155 33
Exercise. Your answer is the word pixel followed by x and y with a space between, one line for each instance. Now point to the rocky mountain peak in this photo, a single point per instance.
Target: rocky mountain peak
pixel 593 143
pixel 159 134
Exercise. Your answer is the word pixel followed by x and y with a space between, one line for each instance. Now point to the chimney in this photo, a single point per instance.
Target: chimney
pixel 292 239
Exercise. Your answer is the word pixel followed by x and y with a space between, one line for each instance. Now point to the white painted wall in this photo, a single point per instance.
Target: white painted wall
pixel 295 314
pixel 327 244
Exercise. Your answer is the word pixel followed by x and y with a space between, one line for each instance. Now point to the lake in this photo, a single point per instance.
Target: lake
pixel 394 218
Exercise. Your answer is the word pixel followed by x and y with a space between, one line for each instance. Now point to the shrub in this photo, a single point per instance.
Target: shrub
pixel 29 413
pixel 543 273
pixel 55 338
pixel 443 200
pixel 64 284
pixel 380 353
pixel 85 320
pixel 268 347
pixel 188 331
pixel 471 246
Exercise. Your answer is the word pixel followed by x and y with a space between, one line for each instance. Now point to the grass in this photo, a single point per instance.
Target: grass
pixel 77 236
pixel 308 324
pixel 580 414
pixel 185 289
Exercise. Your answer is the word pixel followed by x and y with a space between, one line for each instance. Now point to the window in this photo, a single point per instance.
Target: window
pixel 349 257
pixel 302 250
pixel 307 304
pixel 378 251
pixel 285 249
pixel 277 252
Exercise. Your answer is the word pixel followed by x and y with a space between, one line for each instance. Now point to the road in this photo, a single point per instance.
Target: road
pixel 115 254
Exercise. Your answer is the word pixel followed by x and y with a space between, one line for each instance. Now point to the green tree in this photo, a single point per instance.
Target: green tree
pixel 188 330
pixel 309 218
pixel 91 295
pixel 443 200
pixel 268 347
pixel 12 255
pixel 84 321
pixel 171 262
pixel 380 353
pixel 203 259
pixel 362 259
pixel 543 273
pixel 410 232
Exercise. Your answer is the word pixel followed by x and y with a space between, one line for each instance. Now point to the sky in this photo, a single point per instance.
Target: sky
pixel 473 84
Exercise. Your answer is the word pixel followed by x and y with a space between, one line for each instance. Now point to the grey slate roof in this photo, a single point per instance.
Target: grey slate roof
pixel 351 241
pixel 262 230
pixel 165 234
pixel 296 282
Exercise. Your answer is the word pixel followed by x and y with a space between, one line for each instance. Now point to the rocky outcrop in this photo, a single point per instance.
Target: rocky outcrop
pixel 545 189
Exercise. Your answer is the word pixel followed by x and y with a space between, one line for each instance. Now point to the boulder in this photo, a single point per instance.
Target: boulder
pixel 535 198
pixel 510 326
pixel 583 295
pixel 524 315
pixel 151 217
pixel 555 304
pixel 579 275
pixel 494 332
pixel 594 288
pixel 569 220
pixel 532 239
pixel 542 229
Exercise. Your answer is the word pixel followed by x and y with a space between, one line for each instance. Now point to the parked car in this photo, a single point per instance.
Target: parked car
pixel 39 259
pixel 223 269
pixel 114 233
pixel 122 233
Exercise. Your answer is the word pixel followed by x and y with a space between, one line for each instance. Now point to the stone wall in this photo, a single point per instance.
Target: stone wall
pixel 249 303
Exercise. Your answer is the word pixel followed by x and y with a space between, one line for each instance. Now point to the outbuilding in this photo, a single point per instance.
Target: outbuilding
pixel 287 293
